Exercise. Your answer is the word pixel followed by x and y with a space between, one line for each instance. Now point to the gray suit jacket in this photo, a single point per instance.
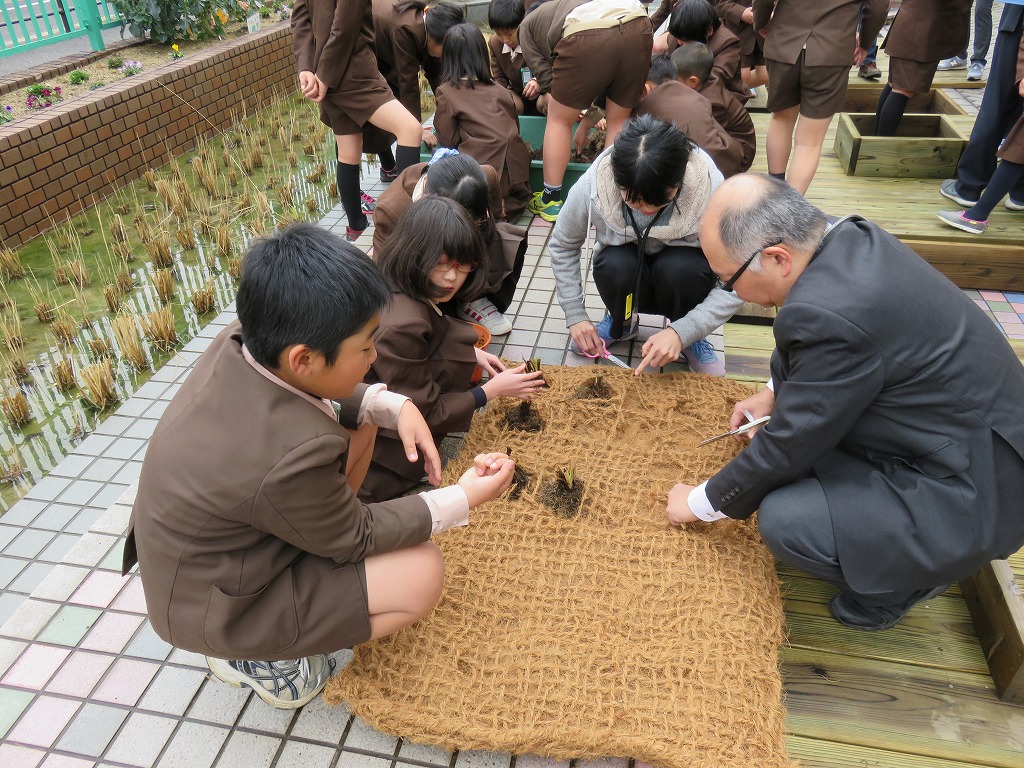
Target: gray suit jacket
pixel 903 399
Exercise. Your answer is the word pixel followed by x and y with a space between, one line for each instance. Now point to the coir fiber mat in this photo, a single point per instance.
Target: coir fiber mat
pixel 602 633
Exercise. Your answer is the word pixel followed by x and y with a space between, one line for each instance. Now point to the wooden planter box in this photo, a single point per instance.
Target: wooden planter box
pixel 926 147
pixel 863 97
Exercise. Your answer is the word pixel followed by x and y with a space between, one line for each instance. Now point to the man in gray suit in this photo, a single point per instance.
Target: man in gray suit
pixel 892 464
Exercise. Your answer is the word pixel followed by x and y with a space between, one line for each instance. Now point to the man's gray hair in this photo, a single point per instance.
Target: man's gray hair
pixel 777 213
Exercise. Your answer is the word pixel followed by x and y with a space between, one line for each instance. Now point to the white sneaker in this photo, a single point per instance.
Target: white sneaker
pixel 482 311
pixel 285 684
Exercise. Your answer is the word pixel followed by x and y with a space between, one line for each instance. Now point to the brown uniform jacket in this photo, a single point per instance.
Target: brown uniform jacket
pixel 506 70
pixel 333 39
pixel 733 116
pixel 401 46
pixel 243 515
pixel 503 246
pixel 428 357
pixel 826 28
pixel 1012 148
pixel 481 122
pixel 663 12
pixel 673 102
pixel 539 34
pixel 929 30
pixel 731 14
pixel 725 47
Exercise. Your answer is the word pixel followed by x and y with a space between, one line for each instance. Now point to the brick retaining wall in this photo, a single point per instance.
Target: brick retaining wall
pixel 60 161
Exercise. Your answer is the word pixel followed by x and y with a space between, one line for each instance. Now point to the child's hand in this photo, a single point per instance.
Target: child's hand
pixel 491 364
pixel 531 90
pixel 579 138
pixel 514 383
pixel 429 138
pixel 312 87
pixel 490 475
pixel 413 431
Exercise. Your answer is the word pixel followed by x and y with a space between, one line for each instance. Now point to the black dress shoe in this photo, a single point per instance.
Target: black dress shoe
pixel 849 611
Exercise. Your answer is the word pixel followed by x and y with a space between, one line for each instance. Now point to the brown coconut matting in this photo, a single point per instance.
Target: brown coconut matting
pixel 607 633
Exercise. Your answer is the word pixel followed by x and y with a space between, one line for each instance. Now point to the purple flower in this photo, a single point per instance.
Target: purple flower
pixel 8 108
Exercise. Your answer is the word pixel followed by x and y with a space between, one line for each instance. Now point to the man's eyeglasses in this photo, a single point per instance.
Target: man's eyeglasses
pixel 443 266
pixel 728 284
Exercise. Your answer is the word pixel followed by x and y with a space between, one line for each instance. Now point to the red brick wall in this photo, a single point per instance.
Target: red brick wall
pixel 62 160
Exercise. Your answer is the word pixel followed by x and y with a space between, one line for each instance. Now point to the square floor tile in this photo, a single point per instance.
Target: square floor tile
pixel 79 674
pixel 72 465
pixel 66 761
pixel 43 722
pixel 36 665
pixel 12 703
pixel 298 754
pixel 59 547
pixel 219 703
pixel 111 632
pixel 92 729
pixel 172 691
pixel 141 740
pixel 536 761
pixel 29 619
pixel 362 735
pixel 10 650
pixel 22 757
pixel 99 589
pixel 82 522
pixel 478 759
pixel 248 750
pixel 102 470
pixel 123 448
pixel 114 559
pixel 94 444
pixel 125 682
pixel 90 549
pixel 49 488
pixel 70 625
pixel 10 569
pixel 30 543
pixel 148 645
pixel 320 722
pixel 9 603
pixel 357 760
pixel 23 512
pixel 80 492
pixel 61 582
pixel 425 753
pixel 258 716
pixel 195 745
pixel 8 534
pixel 113 490
pixel 132 598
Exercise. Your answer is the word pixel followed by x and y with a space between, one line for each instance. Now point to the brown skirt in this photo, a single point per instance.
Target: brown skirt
pixel 347 108
pixel 910 75
pixel 1012 149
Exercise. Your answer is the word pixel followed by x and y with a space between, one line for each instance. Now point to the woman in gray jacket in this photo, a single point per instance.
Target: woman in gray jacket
pixel 644 197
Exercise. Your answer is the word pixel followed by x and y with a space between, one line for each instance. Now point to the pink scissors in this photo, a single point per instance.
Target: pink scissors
pixel 604 353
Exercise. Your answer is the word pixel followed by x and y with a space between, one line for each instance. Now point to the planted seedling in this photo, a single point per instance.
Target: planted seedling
pixel 564 493
pixel 523 418
pixel 533 366
pixel 520 479
pixel 594 389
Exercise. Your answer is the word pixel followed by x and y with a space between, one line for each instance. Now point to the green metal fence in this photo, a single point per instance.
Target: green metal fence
pixel 32 23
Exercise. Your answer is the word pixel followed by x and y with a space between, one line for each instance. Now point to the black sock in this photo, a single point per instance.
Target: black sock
pixel 779 176
pixel 387 159
pixel 406 156
pixel 348 191
pixel 552 194
pixel 881 103
pixel 891 114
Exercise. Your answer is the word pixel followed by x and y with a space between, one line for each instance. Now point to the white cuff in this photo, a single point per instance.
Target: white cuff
pixel 449 508
pixel 770 384
pixel 701 506
pixel 380 407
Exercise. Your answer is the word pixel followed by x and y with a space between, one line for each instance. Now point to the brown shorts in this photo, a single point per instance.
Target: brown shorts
pixel 1012 149
pixel 913 76
pixel 363 91
pixel 819 91
pixel 613 62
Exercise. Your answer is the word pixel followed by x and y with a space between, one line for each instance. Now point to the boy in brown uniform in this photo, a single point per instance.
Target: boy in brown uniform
pixel 508 65
pixel 252 545
pixel 333 45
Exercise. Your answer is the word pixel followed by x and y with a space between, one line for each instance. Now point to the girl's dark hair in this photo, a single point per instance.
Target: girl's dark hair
pixel 438 19
pixel 305 285
pixel 464 60
pixel 505 14
pixel 460 178
pixel 691 19
pixel 649 160
pixel 433 227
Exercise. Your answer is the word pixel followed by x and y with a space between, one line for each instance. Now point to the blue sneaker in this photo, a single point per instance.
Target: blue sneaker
pixel 701 358
pixel 604 329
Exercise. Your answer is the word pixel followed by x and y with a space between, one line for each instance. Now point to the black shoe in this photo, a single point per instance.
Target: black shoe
pixel 386 177
pixel 850 612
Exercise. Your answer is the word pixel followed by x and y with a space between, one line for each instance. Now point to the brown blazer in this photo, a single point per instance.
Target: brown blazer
pixel 929 30
pixel 243 516
pixel 428 357
pixel 826 28
pixel 539 34
pixel 731 14
pixel 675 103
pixel 663 12
pixel 401 46
pixel 503 245
pixel 481 122
pixel 1012 148
pixel 733 117
pixel 725 47
pixel 506 70
pixel 334 39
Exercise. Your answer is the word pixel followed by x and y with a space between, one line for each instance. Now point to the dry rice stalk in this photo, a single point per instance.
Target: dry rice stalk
pixel 317 172
pixel 203 299
pixel 160 250
pixel 99 346
pixel 15 408
pixel 282 136
pixel 77 273
pixel 163 281
pixel 126 334
pixel 309 148
pixel 293 159
pixel 123 251
pixel 12 466
pixel 99 384
pixel 311 204
pixel 261 205
pixel 150 177
pixel 186 238
pixel 67 238
pixel 244 201
pixel 223 238
pixel 204 224
pixel 112 296
pixel 117 232
pixel 285 194
pixel 17 366
pixel 158 326
pixel 64 328
pixel 10 264
pixel 233 178
pixel 186 200
pixel 234 267
pixel 14 335
pixel 60 275
pixel 44 310
pixel 255 157
pixel 64 374
pixel 257 226
pixel 142 228
pixel 332 189
pixel 124 281
pixel 225 158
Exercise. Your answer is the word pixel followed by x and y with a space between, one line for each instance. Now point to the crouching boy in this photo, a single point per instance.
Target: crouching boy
pixel 252 545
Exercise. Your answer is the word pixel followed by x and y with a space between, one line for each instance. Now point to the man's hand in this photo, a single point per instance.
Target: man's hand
pixel 747 17
pixel 761 404
pixel 413 431
pixel 661 349
pixel 531 90
pixel 678 509
pixel 312 87
pixel 490 475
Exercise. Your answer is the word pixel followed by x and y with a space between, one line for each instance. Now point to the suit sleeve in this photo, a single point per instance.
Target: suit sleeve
pixel 407 64
pixel 302 37
pixel 537 55
pixel 727 61
pixel 306 501
pixel 403 364
pixel 834 374
pixel 659 16
pixel 445 124
pixel 345 31
pixel 730 11
pixel 763 10
pixel 873 16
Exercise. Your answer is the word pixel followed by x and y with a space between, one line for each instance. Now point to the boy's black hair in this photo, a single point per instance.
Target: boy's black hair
pixel 649 160
pixel 433 227
pixel 505 14
pixel 438 19
pixel 305 285
pixel 694 60
pixel 460 178
pixel 691 19
pixel 662 70
pixel 464 60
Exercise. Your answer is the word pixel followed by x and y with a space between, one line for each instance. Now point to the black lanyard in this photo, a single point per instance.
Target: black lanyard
pixel 641 250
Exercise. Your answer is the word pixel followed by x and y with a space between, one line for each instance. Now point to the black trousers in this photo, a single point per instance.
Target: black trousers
pixel 1000 108
pixel 672 281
